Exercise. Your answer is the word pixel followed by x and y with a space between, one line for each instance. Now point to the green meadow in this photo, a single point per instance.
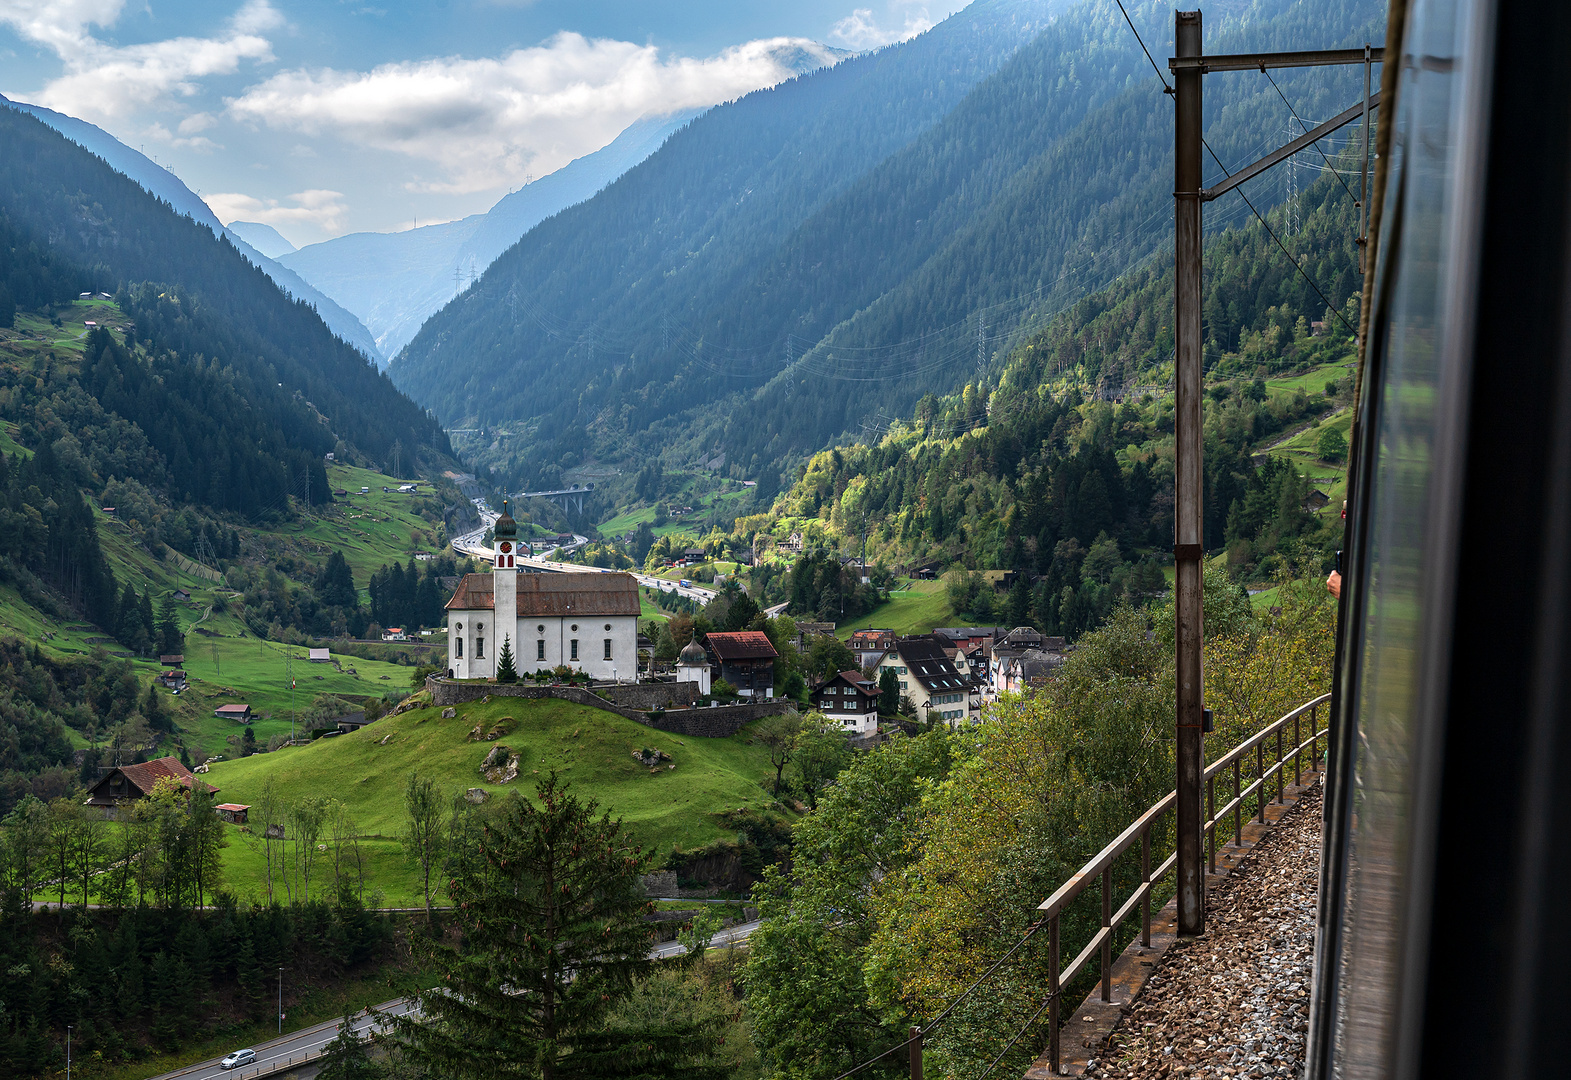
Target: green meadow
pixel 366 771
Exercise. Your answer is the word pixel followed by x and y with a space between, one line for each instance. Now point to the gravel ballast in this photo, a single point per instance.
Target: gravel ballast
pixel 1235 1001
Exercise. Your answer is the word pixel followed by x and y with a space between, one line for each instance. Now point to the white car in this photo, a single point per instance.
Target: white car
pixel 238 1059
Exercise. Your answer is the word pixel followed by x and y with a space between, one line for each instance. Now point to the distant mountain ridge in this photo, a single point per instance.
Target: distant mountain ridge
pixel 266 239
pixel 159 181
pixel 395 281
pixel 802 262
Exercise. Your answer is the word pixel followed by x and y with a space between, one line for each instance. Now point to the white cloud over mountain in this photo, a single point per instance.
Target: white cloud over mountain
pixel 104 82
pixel 487 122
pixel 318 208
pixel 860 30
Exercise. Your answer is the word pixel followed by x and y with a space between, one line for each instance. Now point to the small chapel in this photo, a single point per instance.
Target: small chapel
pixel 587 621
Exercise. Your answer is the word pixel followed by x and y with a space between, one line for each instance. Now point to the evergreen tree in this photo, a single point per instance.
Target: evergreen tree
pixel 335 585
pixel 505 671
pixel 551 911
pixel 171 640
pixel 348 1055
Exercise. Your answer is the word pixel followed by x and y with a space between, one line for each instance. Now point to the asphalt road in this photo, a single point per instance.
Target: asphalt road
pixel 278 1053
pixel 732 936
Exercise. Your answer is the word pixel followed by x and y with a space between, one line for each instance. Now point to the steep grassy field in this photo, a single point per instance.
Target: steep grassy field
pixel 366 771
pixel 915 608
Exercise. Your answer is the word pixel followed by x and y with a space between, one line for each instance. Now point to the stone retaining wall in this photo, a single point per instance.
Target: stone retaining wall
pixel 718 722
pixel 671 695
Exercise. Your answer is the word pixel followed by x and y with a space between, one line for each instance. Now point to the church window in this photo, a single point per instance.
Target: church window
pixel 540 649
pixel 608 648
pixel 479 648
pixel 574 644
pixel 608 626
pixel 458 648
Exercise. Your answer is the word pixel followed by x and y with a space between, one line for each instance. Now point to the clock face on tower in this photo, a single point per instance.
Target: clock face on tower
pixel 506 547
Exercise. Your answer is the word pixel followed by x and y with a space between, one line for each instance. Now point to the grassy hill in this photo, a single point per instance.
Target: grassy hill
pixel 366 771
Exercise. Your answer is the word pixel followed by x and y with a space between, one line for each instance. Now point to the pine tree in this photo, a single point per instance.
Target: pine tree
pixel 171 640
pixel 505 671
pixel 550 910
pixel 348 1056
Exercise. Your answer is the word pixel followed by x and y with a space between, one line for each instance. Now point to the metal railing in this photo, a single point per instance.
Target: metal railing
pixel 1101 865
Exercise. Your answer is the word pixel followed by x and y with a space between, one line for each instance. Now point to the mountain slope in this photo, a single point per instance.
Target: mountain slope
pixel 165 185
pixel 395 281
pixel 790 265
pixel 218 335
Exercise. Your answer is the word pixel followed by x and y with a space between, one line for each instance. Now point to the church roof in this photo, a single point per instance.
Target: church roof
pixel 586 595
pixel 692 655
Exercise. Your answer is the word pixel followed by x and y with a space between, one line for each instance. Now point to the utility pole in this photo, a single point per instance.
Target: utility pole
pixel 280 1001
pixel 289 667
pixel 1188 545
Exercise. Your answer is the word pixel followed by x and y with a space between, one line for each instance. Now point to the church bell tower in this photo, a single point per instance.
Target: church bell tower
pixel 504 581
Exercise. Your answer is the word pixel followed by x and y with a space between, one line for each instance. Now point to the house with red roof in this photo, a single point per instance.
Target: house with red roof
pixel 745 659
pixel 126 784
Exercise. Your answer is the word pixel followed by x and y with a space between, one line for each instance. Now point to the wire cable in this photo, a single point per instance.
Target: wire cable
pixel 985 1073
pixel 1166 89
pixel 953 1005
pixel 1290 257
pixel 1305 127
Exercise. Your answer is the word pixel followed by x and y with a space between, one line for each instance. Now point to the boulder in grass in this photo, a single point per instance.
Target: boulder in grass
pixel 476 795
pixel 448 714
pixel 500 765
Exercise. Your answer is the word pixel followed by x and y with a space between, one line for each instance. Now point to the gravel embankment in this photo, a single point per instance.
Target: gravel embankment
pixel 1235 1002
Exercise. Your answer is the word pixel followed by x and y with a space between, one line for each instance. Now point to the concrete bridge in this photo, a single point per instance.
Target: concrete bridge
pixel 571 498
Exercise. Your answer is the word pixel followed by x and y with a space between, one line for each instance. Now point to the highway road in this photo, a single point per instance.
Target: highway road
pixel 306 1045
pixel 296 1047
pixel 734 935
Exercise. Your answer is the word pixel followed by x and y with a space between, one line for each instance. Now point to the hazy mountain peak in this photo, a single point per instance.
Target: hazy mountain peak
pixel 266 239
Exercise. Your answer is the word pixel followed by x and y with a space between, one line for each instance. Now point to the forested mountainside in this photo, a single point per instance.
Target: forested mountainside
pixel 200 396
pixel 716 198
pixel 765 313
pixel 1075 493
pixel 166 186
pixel 195 296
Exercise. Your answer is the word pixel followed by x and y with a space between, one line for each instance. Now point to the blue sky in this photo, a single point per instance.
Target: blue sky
pixel 331 117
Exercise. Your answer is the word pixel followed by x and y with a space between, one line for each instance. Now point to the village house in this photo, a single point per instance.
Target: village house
pixel 394 633
pixel 929 678
pixel 588 622
pixel 869 645
pixel 174 679
pixel 1023 658
pixel 238 712
pixel 172 660
pixel 792 543
pixel 851 699
pixel 746 660
pixel 125 784
pixel 320 656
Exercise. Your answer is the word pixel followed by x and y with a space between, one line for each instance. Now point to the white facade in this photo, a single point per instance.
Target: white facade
pixel 587 622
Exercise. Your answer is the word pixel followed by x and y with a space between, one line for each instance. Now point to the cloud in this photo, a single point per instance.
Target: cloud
pixel 318 207
pixel 103 81
pixel 487 122
pixel 860 31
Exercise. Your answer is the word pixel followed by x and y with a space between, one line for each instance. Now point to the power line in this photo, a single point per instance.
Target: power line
pixel 1166 89
pixel 1305 127
pixel 1290 256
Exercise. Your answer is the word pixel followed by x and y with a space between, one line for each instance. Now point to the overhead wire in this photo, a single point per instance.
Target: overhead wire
pixel 1303 124
pixel 1272 234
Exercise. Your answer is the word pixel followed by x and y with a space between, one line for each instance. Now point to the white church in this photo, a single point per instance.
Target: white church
pixel 588 622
